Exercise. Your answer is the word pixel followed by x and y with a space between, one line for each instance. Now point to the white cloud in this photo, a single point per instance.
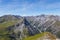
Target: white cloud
pixel 23 15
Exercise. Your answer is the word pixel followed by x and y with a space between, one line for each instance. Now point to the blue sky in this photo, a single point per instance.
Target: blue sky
pixel 29 7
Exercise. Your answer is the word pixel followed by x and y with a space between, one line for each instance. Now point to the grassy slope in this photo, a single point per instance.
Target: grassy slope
pixel 7 23
pixel 39 36
pixel 34 37
pixel 3 27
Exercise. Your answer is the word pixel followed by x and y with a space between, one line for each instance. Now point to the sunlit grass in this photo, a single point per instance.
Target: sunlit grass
pixel 34 37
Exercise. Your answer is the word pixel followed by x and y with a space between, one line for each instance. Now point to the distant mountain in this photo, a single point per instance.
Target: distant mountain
pixel 17 27
pixel 9 17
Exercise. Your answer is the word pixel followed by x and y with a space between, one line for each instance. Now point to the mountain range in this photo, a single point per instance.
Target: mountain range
pixel 14 27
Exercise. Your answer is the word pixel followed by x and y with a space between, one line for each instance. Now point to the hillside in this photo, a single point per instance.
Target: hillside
pixel 42 36
pixel 6 22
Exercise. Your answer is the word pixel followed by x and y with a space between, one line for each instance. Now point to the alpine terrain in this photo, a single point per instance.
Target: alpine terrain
pixel 40 27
